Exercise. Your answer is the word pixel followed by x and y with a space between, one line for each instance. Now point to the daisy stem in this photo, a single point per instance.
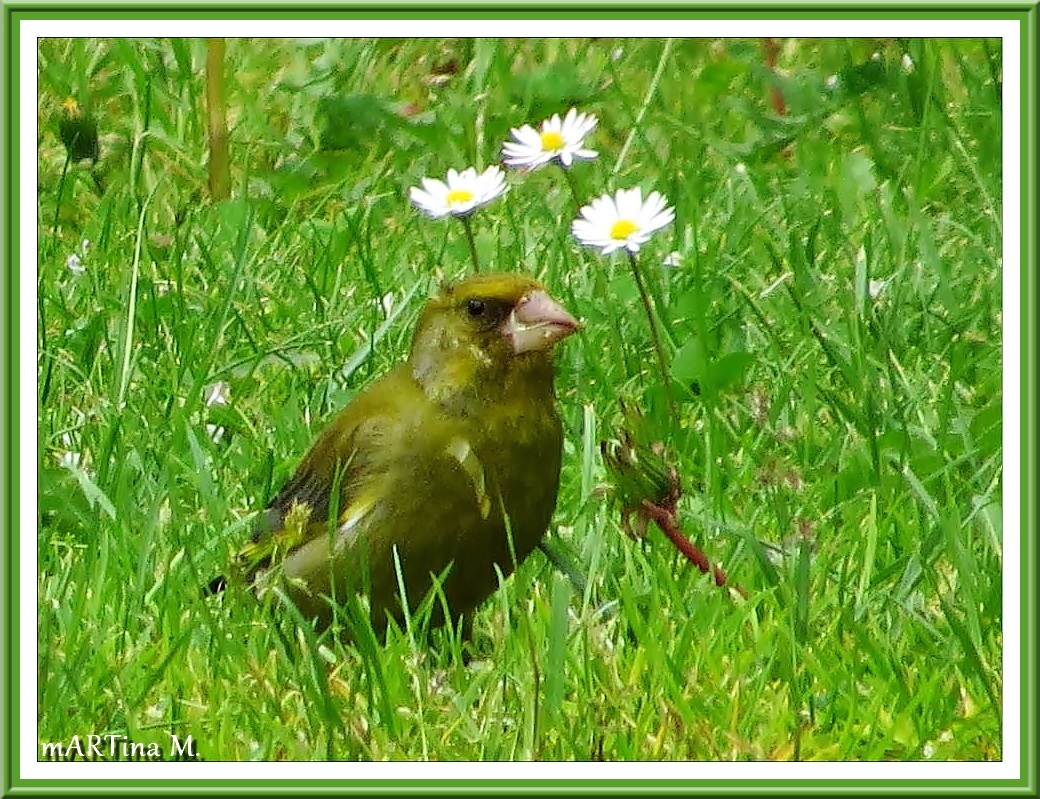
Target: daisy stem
pixel 658 349
pixel 470 241
pixel 574 188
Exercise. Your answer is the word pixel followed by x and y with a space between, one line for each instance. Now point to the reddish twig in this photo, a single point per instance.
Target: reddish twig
pixel 665 519
pixel 771 50
pixel 649 488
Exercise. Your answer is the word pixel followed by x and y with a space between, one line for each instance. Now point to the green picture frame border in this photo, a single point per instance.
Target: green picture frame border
pixel 14 14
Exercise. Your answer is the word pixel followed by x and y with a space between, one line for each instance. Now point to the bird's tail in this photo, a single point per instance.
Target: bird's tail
pixel 271 539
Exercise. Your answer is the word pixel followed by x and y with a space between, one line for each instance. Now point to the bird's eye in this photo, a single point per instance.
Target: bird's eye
pixel 476 307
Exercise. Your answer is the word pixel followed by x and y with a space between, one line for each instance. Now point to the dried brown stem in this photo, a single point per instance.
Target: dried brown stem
pixel 216 121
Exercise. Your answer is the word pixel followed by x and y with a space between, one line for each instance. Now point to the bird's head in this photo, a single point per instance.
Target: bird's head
pixel 487 327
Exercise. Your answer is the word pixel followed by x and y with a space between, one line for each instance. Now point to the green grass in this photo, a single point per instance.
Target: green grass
pixel 840 452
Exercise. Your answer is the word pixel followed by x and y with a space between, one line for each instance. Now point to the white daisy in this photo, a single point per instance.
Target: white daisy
pixel 461 195
pixel 624 220
pixel 75 265
pixel 218 393
pixel 875 288
pixel 558 140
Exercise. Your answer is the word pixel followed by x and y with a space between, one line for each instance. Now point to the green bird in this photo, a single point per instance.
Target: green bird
pixel 447 465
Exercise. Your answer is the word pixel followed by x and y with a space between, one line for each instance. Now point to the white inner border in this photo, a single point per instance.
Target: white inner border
pixel 1009 768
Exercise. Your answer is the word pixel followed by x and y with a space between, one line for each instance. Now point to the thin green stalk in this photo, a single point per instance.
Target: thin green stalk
pixel 647 99
pixel 656 336
pixel 471 242
pixel 127 346
pixel 61 191
pixel 559 556
pixel 574 189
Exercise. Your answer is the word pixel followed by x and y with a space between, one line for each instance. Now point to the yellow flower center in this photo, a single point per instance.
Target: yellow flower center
pixel 459 196
pixel 552 140
pixel 622 229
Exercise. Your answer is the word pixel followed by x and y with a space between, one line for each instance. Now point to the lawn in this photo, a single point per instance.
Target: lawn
pixel 828 308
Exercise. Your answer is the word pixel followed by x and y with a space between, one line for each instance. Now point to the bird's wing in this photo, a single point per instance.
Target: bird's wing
pixel 346 461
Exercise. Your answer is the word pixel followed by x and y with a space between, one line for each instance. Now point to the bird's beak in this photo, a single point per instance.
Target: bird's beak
pixel 537 322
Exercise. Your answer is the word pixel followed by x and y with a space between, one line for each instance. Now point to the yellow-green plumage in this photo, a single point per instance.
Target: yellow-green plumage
pixel 431 460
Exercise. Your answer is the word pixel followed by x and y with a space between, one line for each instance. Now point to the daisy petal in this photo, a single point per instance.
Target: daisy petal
pixel 624 220
pixel 460 194
pixel 554 140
